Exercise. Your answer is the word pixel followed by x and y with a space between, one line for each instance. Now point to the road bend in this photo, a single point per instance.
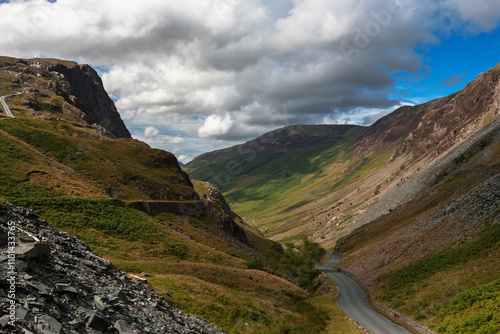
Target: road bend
pixel 353 302
pixel 5 106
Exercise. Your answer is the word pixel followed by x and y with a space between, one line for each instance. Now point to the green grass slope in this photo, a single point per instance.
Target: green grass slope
pixel 320 180
pixel 437 258
pixel 81 181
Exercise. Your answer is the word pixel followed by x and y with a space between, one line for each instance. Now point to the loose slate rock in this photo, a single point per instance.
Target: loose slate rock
pixel 122 328
pixel 98 323
pixel 63 287
pixel 25 238
pixel 4 320
pixel 28 251
pixel 49 325
pixel 4 237
pixel 73 290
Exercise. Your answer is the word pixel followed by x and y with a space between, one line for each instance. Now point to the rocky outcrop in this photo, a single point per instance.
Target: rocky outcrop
pixel 58 285
pixel 221 214
pixel 426 178
pixel 66 90
pixel 153 208
pixel 222 221
pixel 86 85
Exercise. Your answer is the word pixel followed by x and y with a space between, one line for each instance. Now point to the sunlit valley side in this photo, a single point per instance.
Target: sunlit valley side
pixel 68 155
pixel 412 201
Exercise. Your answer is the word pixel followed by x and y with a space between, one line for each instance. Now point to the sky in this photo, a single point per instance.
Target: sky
pixel 193 76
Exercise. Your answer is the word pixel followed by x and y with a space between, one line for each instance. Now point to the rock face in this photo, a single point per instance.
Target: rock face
pixel 220 212
pixel 428 177
pixel 68 90
pixel 61 286
pixel 93 100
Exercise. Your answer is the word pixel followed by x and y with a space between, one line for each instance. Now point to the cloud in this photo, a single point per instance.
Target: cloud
pixel 229 70
pixel 151 132
pixel 482 15
pixel 183 158
pixel 454 80
pixel 173 140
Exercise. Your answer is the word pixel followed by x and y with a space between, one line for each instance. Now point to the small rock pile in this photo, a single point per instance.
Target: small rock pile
pixel 51 283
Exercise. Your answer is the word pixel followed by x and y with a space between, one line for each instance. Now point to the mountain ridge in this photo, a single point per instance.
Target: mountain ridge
pixel 412 204
pixel 385 155
pixel 133 205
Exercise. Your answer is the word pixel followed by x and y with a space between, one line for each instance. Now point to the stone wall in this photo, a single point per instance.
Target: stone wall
pixel 153 208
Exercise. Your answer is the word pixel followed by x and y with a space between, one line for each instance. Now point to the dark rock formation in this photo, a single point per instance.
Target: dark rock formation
pixel 63 287
pixel 68 90
pixel 153 208
pixel 86 85
pixel 221 214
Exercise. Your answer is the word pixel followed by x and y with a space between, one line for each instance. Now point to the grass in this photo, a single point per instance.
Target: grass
pixel 10 151
pixel 109 216
pixel 338 322
pixel 444 260
pixel 228 308
pixel 429 299
pixel 476 310
pixel 128 169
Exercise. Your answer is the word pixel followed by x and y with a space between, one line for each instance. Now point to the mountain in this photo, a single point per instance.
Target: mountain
pixel 74 92
pixel 411 202
pixel 68 155
pixel 294 183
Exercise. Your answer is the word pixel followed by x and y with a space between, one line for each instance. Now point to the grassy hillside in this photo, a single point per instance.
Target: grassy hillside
pixel 436 259
pixel 82 181
pixel 412 201
pixel 322 181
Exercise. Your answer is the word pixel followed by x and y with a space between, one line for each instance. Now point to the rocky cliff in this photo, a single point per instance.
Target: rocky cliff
pixel 67 90
pixel 91 98
pixel 58 285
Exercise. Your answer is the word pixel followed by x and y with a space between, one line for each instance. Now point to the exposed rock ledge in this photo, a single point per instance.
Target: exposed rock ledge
pixel 61 286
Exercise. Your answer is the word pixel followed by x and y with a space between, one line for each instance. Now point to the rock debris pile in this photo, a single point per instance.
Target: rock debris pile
pixel 58 285
pixel 425 179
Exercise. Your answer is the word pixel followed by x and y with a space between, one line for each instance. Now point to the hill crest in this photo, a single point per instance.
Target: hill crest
pixel 71 91
pixel 330 181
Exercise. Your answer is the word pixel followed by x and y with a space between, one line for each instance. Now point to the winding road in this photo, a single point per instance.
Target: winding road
pixel 353 302
pixel 5 106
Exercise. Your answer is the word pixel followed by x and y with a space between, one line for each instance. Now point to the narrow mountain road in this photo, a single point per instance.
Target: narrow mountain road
pixel 5 106
pixel 353 302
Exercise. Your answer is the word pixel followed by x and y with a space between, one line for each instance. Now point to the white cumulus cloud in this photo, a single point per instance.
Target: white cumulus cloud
pixel 151 132
pixel 229 70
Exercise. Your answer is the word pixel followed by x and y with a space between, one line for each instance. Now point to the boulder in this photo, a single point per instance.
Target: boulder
pixel 49 325
pixel 32 250
pixel 122 328
pixel 98 322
